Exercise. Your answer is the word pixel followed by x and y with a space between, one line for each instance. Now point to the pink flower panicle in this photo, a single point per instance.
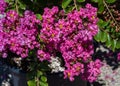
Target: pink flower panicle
pixel 18 33
pixel 93 71
pixel 72 36
pixel 3 6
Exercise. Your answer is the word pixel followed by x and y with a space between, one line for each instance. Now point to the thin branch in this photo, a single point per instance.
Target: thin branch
pixel 37 81
pixel 73 8
pixel 16 5
pixel 75 4
pixel 110 12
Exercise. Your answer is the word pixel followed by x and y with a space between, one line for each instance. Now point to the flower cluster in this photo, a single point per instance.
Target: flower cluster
pixel 71 35
pixel 3 5
pixel 42 55
pixel 18 34
pixel 118 56
pixel 93 70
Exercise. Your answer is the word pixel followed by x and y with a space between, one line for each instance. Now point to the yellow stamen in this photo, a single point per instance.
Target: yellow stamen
pixel 48 28
pixel 41 55
pixel 11 15
pixel 68 74
pixel 93 17
pixel 53 35
pixel 78 68
pixel 60 26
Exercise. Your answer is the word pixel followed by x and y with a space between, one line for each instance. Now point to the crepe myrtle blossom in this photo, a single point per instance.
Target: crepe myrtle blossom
pixel 72 35
pixel 92 71
pixel 3 6
pixel 118 56
pixel 42 55
pixel 73 70
pixel 18 34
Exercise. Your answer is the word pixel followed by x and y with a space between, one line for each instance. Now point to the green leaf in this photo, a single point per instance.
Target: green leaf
pixel 69 9
pixel 65 3
pixel 103 36
pixel 108 28
pixel 81 0
pixel 7 1
pixel 31 83
pixel 104 24
pixel 39 16
pixel 98 36
pixel 96 1
pixel 110 1
pixel 43 78
pixel 100 22
pixel 108 42
pixel 113 42
pixel 43 83
pixel 21 5
pixel 101 8
pixel 39 73
pixel 118 44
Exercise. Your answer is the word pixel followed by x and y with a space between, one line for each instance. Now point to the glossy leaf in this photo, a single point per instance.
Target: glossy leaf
pixel 118 44
pixel 100 22
pixel 103 36
pixel 98 36
pixel 39 16
pixel 39 73
pixel 104 24
pixel 43 78
pixel 21 5
pixel 100 6
pixel 113 46
pixel 31 83
pixel 43 83
pixel 81 0
pixel 65 3
pixel 69 9
pixel 95 1
pixel 108 42
pixel 110 1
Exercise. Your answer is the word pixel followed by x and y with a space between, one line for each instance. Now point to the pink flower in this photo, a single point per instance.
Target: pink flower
pixel 69 74
pixel 93 70
pixel 12 16
pixel 118 56
pixel 3 5
pixel 43 55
